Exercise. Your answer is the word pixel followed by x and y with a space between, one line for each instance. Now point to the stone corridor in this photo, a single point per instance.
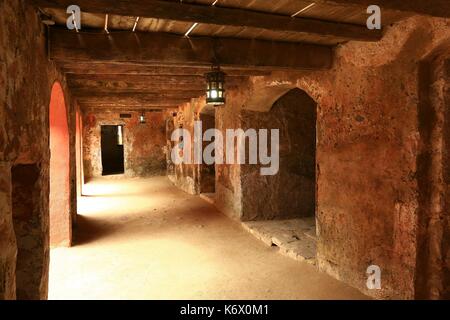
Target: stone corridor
pixel 146 239
pixel 225 150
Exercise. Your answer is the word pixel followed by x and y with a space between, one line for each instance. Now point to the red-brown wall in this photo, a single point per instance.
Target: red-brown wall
pixel 26 80
pixel 144 144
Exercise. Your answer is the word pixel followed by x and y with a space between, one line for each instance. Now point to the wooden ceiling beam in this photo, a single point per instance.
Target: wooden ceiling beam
pixel 135 102
pixel 176 93
pixel 94 109
pixel 129 83
pixel 142 69
pixel 135 98
pixel 141 83
pixel 65 45
pixel 436 8
pixel 126 106
pixel 220 16
pixel 138 78
pixel 131 88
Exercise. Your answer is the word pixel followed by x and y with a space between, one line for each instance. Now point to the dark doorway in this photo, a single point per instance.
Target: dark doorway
pixel 291 193
pixel 112 149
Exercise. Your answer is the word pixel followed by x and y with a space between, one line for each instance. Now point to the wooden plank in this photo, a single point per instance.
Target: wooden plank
pixel 127 83
pixel 138 78
pixel 132 100
pixel 142 69
pixel 107 87
pixel 124 106
pixel 218 16
pixel 138 84
pixel 174 93
pixel 143 98
pixel 436 8
pixel 125 109
pixel 170 49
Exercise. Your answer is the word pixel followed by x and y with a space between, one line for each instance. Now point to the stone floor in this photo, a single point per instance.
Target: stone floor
pixel 146 239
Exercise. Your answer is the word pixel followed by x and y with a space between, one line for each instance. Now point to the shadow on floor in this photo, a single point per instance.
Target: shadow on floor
pixel 89 229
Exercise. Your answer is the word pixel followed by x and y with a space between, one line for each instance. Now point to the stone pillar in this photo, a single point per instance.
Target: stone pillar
pixel 8 248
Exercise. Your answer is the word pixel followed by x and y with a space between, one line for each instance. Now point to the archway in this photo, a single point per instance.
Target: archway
pixel 281 209
pixel 60 220
pixel 292 192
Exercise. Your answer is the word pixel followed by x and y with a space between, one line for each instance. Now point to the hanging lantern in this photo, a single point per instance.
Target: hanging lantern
pixel 142 118
pixel 215 90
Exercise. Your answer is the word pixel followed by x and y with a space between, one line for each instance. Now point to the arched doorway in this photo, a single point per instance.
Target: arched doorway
pixel 291 193
pixel 280 209
pixel 60 220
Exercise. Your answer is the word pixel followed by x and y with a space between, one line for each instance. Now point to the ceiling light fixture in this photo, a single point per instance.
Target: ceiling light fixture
pixel 215 87
pixel 142 118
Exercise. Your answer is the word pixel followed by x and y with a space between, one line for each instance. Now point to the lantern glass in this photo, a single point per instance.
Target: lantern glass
pixel 142 118
pixel 215 92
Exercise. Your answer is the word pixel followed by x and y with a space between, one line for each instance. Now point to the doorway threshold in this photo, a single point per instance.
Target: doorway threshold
pixel 295 238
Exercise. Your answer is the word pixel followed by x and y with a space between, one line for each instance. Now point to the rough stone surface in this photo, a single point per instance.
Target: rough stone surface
pixel 30 267
pixel 207 172
pixel 381 155
pixel 8 248
pixel 26 79
pixel 295 238
pixel 148 240
pixel 433 251
pixel 371 142
pixel 185 176
pixel 291 193
pixel 144 144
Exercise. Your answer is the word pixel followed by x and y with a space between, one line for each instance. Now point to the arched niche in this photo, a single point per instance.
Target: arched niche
pixel 291 193
pixel 59 200
pixel 263 96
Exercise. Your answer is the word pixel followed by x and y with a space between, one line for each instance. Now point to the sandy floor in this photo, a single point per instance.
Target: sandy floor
pixel 145 239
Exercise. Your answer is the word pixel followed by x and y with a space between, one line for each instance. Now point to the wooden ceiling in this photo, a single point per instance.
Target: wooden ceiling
pixel 158 66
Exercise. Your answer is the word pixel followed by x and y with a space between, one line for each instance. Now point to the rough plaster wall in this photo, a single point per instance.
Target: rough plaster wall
pixel 207 172
pixel 228 183
pixel 26 78
pixel 291 192
pixel 29 236
pixel 433 177
pixel 445 247
pixel 188 176
pixel 368 145
pixel 185 176
pixel 144 144
pixel 60 220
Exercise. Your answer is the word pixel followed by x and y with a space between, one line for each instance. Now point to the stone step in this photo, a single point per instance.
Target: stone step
pixel 295 238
